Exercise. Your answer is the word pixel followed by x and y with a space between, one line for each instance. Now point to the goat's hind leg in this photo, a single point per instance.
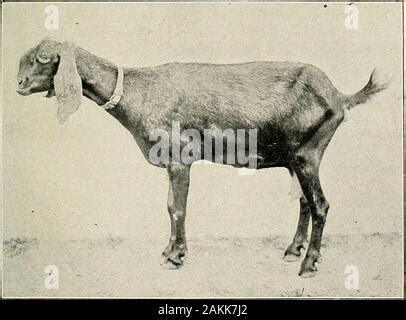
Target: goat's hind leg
pixel 306 163
pixel 175 252
pixel 292 252
pixel 307 171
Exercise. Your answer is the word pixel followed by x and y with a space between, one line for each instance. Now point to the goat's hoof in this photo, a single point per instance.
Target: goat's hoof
pixel 291 257
pixel 308 268
pixel 307 274
pixel 169 264
pixel 174 256
pixel 292 253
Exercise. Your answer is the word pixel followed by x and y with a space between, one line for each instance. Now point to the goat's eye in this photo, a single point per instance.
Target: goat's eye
pixel 42 59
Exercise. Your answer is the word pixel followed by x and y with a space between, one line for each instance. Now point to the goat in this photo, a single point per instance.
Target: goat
pixel 293 106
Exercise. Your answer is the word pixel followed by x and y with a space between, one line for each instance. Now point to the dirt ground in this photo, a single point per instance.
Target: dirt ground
pixel 224 267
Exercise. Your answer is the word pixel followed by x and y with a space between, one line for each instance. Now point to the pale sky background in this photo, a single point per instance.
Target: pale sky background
pixel 88 179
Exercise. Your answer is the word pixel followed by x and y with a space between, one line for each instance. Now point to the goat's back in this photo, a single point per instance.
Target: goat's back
pixel 234 95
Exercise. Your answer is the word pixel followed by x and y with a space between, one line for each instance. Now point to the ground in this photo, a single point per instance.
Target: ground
pixel 223 267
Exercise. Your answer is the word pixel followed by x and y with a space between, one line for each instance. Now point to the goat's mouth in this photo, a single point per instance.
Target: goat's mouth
pixel 30 89
pixel 24 91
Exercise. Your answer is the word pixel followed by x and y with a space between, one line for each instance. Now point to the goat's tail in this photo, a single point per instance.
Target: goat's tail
pixel 373 86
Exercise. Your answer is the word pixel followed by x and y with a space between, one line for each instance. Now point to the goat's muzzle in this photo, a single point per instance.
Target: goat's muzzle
pixel 23 86
pixel 24 91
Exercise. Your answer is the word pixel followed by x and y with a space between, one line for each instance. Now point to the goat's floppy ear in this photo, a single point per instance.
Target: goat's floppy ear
pixel 67 83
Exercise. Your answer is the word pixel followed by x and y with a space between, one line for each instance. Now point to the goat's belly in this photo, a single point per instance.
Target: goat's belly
pixel 251 146
pixel 254 151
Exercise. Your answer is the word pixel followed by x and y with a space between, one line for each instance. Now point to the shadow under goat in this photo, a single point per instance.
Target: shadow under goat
pixel 294 108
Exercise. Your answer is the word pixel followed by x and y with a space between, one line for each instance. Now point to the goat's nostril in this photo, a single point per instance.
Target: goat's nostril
pixel 22 81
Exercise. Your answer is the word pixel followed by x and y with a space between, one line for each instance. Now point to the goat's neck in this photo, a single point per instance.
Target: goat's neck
pixel 99 76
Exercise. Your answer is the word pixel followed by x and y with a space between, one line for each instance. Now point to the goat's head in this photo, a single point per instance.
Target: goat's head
pixel 51 66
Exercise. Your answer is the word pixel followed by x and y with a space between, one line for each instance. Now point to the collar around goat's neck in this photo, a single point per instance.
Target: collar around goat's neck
pixel 118 91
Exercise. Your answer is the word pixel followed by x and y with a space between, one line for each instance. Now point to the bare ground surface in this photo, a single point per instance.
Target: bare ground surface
pixel 224 267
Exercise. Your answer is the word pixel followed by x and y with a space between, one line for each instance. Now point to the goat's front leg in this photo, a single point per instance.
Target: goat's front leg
pixel 292 253
pixel 307 169
pixel 179 177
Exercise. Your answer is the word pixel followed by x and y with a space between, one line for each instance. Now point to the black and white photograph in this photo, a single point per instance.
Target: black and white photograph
pixel 202 150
